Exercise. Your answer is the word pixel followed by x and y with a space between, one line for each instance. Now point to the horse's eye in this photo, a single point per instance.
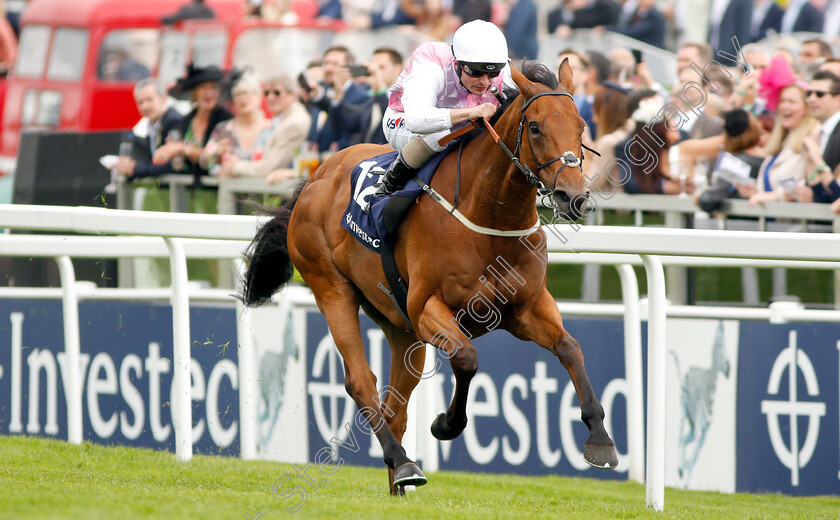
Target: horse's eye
pixel 534 128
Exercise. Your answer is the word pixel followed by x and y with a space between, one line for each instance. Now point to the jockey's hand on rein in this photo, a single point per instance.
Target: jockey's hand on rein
pixel 484 110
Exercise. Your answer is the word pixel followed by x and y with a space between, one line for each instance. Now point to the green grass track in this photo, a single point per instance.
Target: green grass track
pixel 47 479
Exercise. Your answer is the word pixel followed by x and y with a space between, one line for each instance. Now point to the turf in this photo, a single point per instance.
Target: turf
pixel 49 479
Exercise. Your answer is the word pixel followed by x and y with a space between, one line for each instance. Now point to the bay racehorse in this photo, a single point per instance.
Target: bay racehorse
pixel 445 263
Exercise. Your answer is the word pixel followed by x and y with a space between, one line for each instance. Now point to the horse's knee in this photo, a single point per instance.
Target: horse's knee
pixel 568 350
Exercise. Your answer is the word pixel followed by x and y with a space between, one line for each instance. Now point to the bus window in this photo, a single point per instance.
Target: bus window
pixel 128 55
pixel 273 50
pixel 67 54
pixel 41 109
pixel 173 55
pixel 208 48
pixel 32 51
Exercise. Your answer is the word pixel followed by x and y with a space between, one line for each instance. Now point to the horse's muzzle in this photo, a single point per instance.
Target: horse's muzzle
pixel 571 207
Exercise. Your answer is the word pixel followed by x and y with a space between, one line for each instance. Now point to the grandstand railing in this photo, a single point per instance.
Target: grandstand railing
pixel 166 234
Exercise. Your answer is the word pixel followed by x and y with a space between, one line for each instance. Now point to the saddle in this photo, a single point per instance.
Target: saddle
pixel 377 227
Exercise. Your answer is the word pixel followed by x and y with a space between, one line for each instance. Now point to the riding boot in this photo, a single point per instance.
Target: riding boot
pixel 395 178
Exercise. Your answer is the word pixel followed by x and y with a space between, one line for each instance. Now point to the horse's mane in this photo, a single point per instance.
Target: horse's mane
pixel 534 71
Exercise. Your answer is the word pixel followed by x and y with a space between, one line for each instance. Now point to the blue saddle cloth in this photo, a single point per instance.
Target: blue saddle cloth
pixel 370 228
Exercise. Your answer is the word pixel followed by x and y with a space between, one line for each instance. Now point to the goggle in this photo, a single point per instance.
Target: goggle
pixel 476 70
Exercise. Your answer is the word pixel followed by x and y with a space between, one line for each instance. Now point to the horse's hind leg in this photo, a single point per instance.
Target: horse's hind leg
pixel 543 325
pixel 406 352
pixel 338 300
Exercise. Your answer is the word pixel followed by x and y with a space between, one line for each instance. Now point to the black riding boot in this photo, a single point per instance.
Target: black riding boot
pixel 395 178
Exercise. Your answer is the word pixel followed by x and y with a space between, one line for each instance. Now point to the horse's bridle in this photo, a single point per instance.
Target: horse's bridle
pixel 567 159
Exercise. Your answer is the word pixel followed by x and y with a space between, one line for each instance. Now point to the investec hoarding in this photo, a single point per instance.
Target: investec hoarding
pixel 737 421
pixel 126 374
pixel 524 415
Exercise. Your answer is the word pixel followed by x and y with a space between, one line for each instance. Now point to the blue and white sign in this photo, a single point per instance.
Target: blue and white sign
pixel 126 352
pixel 523 411
pixel 788 433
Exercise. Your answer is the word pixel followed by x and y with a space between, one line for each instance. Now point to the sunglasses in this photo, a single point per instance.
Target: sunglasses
pixel 476 73
pixel 818 93
pixel 275 92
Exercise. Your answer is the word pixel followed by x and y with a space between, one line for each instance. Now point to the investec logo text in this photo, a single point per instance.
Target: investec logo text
pixel 138 378
pixel 489 398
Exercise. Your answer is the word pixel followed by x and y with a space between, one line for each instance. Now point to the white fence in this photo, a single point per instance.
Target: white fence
pixel 179 236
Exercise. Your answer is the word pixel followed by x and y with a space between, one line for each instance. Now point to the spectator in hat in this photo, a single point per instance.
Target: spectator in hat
pixel 245 136
pixel 201 87
pixel 788 163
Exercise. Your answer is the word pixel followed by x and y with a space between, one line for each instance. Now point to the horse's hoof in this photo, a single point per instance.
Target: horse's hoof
pixel 442 431
pixel 408 474
pixel 600 456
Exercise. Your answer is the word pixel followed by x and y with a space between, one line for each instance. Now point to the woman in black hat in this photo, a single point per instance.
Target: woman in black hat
pixel 201 86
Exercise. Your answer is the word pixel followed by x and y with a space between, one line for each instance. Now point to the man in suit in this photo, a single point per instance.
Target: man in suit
pixel 150 132
pixel 336 89
pixel 766 16
pixel 364 121
pixel 824 104
pixel 584 14
pixel 728 19
pixel 521 29
pixel 801 16
pixel 290 126
pixel 647 24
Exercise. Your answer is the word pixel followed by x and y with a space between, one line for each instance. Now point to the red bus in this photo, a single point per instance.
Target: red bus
pixel 78 61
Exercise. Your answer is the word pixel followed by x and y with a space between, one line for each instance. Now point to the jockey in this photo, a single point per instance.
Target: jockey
pixel 438 89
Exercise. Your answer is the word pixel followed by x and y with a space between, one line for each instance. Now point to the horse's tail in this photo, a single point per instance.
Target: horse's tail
pixel 269 264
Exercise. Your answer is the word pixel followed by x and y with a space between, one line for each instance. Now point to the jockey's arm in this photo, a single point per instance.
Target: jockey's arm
pixel 419 99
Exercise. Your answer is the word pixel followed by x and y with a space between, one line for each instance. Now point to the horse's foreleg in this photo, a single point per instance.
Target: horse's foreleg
pixel 543 325
pixel 438 327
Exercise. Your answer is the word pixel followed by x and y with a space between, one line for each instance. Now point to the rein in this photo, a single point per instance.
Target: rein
pixel 567 159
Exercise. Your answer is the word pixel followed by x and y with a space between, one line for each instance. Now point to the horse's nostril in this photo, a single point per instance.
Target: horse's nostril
pixel 579 205
pixel 563 196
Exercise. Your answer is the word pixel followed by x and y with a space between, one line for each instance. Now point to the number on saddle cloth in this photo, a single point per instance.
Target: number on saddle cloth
pixel 377 227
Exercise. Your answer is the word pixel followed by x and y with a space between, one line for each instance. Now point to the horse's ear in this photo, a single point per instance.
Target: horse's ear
pixel 564 74
pixel 521 81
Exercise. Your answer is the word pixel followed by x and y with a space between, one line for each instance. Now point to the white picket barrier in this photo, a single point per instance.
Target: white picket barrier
pixel 622 246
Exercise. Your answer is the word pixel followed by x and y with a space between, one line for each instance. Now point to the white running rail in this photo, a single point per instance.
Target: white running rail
pixel 181 236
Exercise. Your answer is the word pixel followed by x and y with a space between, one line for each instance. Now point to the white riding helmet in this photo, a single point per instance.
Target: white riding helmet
pixel 480 43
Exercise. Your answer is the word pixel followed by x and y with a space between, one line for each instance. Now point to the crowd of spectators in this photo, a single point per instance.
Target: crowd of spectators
pixel 762 128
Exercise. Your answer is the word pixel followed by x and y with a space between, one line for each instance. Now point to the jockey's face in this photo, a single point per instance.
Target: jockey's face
pixel 477 86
